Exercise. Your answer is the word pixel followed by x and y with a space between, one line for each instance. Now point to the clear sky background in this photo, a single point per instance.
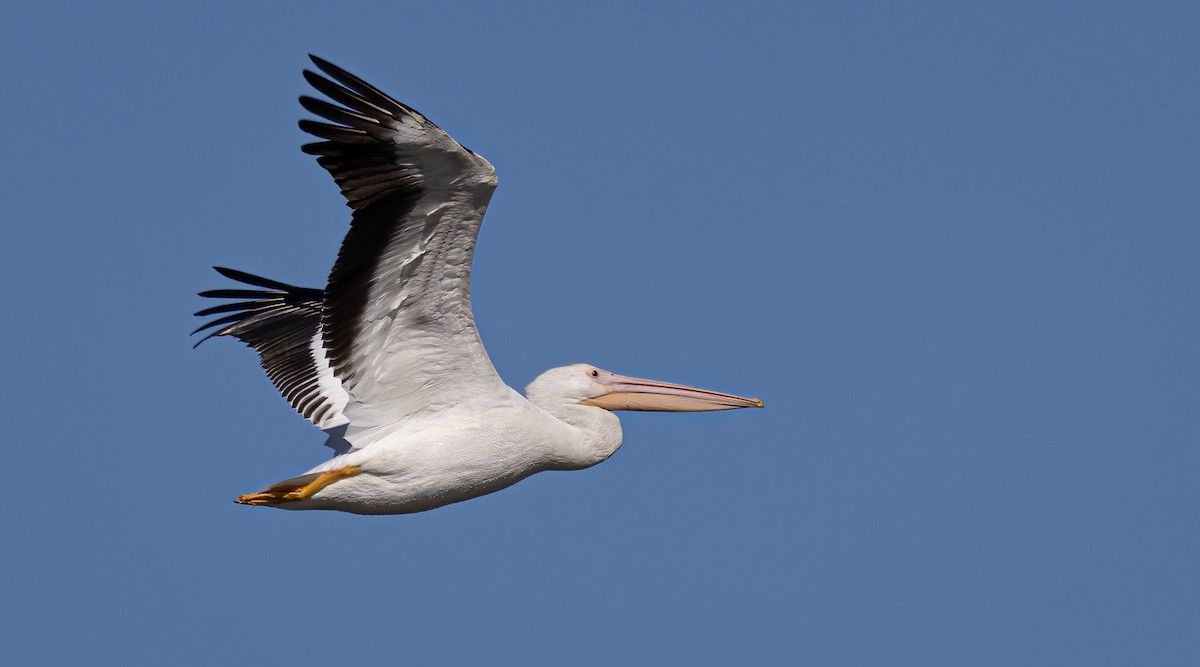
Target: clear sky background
pixel 954 246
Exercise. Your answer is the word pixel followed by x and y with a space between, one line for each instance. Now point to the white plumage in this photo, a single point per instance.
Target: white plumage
pixel 387 359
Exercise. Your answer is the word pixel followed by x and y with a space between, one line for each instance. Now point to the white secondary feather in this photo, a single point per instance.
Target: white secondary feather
pixel 328 386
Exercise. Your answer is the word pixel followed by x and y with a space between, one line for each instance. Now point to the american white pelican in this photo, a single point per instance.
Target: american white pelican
pixel 387 359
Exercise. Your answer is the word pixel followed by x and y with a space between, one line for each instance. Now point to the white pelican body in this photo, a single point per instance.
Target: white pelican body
pixel 387 359
pixel 467 450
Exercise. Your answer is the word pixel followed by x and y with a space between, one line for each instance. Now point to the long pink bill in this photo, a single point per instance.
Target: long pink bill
pixel 630 393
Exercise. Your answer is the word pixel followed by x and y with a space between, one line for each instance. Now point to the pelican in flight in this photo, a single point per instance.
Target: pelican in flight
pixel 387 360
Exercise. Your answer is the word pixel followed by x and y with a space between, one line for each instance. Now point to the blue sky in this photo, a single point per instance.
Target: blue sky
pixel 954 247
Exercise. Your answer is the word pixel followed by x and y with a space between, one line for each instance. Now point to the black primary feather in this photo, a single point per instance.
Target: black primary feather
pixel 280 322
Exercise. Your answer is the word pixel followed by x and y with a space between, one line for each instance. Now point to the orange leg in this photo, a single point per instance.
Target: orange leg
pixel 297 488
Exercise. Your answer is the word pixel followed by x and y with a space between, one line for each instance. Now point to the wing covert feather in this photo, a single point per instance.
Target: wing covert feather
pixel 397 322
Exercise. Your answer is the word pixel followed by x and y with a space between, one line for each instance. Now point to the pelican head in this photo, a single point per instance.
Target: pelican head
pixel 584 384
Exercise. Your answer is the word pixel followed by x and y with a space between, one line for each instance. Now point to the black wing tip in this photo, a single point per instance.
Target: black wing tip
pixel 332 75
pixel 358 87
pixel 247 278
pixel 211 334
pixel 329 69
pixel 319 61
pixel 317 147
pixel 274 294
pixel 234 293
pixel 314 79
pixel 233 274
pixel 311 103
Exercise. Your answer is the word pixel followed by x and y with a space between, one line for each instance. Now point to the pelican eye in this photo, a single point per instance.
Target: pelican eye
pixel 595 373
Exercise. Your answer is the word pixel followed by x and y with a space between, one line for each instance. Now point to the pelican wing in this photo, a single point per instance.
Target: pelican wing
pixel 283 325
pixel 397 324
